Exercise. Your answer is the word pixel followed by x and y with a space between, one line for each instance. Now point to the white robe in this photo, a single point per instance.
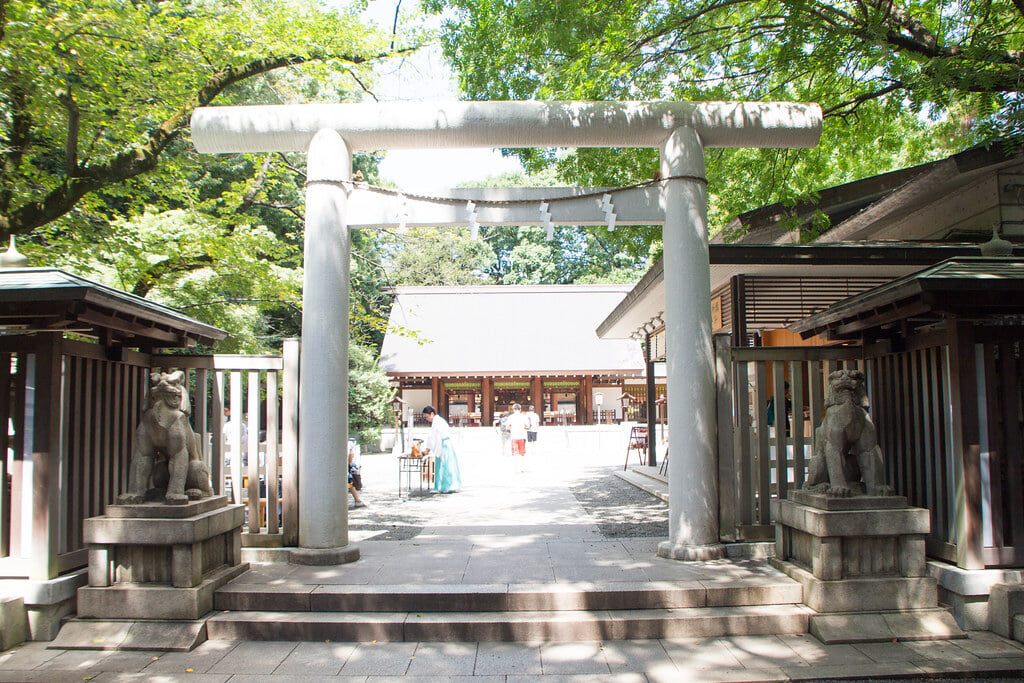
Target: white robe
pixel 439 430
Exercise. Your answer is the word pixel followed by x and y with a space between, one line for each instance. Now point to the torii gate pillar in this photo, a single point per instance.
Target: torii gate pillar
pixel 323 378
pixel 693 481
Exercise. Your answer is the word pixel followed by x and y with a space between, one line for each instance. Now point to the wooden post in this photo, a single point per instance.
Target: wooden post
pixel 652 407
pixel 435 395
pixel 290 443
pixel 966 442
pixel 586 391
pixel 486 402
pixel 537 395
pixel 47 451
pixel 739 310
pixel 726 464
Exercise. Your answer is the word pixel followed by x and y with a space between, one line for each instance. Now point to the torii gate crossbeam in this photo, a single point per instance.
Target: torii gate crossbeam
pixel 330 133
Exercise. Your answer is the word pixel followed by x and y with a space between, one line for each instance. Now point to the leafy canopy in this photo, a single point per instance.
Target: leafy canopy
pixel 900 82
pixel 94 93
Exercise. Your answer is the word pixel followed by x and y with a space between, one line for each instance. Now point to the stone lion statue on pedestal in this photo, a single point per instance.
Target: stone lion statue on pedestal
pixel 166 455
pixel 847 460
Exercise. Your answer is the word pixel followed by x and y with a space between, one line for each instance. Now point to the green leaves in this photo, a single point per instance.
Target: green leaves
pixel 895 79
pixel 94 94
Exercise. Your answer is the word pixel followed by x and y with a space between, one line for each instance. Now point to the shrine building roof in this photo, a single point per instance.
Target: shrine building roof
pixel 53 300
pixel 506 330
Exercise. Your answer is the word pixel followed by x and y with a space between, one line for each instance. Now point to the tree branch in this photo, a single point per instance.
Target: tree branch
pixel 17 143
pixel 849 106
pixel 282 207
pixel 143 157
pixel 150 277
pixel 247 200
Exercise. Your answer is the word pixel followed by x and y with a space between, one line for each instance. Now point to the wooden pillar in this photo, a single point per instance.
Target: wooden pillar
pixel 537 395
pixel 738 292
pixel 726 461
pixel 486 402
pixel 587 390
pixel 47 453
pixel 435 395
pixel 652 408
pixel 966 442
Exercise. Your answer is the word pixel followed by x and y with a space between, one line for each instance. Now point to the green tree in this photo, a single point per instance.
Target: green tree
pixel 439 257
pixel 369 392
pixel 900 82
pixel 96 163
pixel 96 96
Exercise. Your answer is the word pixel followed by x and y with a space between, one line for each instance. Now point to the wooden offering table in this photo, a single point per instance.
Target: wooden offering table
pixel 419 468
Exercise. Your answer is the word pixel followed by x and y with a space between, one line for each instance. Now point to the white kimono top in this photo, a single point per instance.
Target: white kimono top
pixel 439 430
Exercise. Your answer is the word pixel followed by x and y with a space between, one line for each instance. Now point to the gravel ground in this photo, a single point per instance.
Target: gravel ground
pixel 620 509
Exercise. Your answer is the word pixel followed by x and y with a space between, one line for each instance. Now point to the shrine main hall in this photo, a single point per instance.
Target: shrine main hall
pixel 474 351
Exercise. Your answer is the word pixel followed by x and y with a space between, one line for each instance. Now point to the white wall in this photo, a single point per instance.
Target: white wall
pixel 417 399
pixel 612 396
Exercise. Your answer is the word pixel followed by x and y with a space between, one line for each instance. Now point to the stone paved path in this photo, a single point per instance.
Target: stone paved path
pixel 565 518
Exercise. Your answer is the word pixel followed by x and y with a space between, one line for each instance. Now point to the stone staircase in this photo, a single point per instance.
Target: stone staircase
pixel 508 612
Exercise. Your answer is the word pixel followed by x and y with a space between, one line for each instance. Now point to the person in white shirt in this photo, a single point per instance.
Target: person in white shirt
pixel 533 421
pixel 447 478
pixel 517 426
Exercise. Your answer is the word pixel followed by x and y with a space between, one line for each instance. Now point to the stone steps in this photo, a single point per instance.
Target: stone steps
pixel 508 612
pixel 569 625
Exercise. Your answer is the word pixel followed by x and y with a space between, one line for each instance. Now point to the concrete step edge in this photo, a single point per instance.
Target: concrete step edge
pixel 645 484
pixel 510 597
pixel 503 626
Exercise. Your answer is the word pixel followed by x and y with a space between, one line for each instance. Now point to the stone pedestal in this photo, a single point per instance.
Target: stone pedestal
pixel 861 562
pixel 157 563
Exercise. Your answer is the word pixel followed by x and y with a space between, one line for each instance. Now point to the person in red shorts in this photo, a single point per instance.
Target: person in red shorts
pixel 517 424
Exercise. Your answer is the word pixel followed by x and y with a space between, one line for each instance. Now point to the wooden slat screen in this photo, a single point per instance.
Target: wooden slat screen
pixel 774 302
pixel 1004 382
pixel 909 393
pixel 102 404
pixel 910 408
pixel 12 454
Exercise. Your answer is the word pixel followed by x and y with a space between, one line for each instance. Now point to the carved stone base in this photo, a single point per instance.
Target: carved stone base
pixel 691 553
pixel 861 563
pixel 319 557
pixel 153 561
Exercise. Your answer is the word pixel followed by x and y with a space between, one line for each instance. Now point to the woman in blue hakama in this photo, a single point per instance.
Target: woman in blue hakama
pixel 439 444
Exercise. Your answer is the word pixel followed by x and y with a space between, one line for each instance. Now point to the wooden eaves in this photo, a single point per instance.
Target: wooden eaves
pixel 52 300
pixel 645 300
pixel 968 288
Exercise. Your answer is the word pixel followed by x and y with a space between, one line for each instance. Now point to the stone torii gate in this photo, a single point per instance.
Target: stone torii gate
pixel 680 130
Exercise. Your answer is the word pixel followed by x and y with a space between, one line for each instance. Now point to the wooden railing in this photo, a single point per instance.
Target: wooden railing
pixel 262 393
pixel 950 421
pixel 751 472
pixel 70 410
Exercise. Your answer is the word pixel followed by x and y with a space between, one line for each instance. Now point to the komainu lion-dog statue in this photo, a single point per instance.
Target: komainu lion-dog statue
pixel 166 453
pixel 847 460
